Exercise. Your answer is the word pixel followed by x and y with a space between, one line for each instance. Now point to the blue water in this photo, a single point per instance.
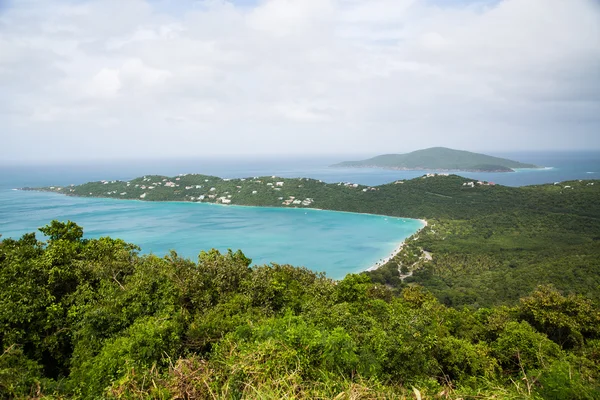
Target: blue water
pixel 561 166
pixel 337 243
pixel 334 242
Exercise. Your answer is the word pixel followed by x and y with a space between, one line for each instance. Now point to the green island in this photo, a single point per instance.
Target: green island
pixel 439 158
pixel 498 297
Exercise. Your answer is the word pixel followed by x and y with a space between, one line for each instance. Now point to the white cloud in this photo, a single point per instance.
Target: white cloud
pixel 350 75
pixel 105 83
pixel 283 17
pixel 135 71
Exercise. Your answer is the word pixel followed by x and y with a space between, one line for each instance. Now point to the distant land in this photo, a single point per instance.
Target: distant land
pixel 440 159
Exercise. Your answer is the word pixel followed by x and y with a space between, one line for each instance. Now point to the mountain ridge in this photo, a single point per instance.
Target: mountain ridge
pixel 440 159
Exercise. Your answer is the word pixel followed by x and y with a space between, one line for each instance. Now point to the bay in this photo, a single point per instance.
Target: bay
pixel 337 243
pixel 333 242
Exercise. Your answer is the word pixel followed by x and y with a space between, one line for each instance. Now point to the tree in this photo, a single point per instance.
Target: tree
pixel 567 320
pixel 69 231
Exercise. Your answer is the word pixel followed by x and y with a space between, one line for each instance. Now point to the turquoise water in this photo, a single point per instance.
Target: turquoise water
pixel 333 242
pixel 337 243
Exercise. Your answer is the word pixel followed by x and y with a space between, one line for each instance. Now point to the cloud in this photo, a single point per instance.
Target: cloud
pixel 105 83
pixel 107 78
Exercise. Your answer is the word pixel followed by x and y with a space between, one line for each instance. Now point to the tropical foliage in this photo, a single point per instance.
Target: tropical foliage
pixel 92 318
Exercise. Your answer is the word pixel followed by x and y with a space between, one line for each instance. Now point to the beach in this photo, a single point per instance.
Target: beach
pixel 398 249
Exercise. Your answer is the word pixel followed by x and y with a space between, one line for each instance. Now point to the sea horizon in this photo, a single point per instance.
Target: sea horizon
pixel 558 166
pixel 337 251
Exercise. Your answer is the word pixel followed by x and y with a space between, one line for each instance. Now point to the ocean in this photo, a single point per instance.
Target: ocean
pixel 333 242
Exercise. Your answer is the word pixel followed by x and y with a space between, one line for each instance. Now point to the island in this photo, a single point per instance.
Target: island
pixel 497 297
pixel 438 159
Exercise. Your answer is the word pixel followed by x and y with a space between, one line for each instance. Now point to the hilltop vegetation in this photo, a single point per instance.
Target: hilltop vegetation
pixel 91 318
pixel 431 196
pixel 489 244
pixel 439 158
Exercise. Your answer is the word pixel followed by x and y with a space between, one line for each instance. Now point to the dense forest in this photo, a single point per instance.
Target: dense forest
pixel 505 244
pixel 92 318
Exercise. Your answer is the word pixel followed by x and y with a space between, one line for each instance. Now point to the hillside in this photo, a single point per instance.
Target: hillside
pixel 490 244
pixel 91 318
pixel 439 158
pixel 430 196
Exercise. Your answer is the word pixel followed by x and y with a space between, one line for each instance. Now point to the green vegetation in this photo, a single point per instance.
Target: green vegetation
pixel 488 244
pixel 498 297
pixel 439 158
pixel 507 241
pixel 91 318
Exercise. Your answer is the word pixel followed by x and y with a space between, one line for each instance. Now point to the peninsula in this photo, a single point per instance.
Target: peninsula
pixel 425 197
pixel 439 159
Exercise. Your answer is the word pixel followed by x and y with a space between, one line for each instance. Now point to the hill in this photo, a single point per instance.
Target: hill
pixel 439 158
pixel 489 244
pixel 93 319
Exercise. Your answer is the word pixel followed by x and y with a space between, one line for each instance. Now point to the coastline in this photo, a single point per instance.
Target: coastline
pixel 375 266
pixel 397 250
pixel 441 170
pixel 207 203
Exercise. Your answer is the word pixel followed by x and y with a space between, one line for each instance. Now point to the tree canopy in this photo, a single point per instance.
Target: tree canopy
pixel 92 318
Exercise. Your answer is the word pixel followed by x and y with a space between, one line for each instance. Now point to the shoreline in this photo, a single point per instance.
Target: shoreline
pixel 440 170
pixel 220 204
pixel 397 250
pixel 373 267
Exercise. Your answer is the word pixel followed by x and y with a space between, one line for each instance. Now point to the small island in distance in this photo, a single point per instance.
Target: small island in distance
pixel 440 159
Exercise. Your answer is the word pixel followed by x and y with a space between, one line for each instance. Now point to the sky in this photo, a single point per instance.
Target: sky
pixel 120 79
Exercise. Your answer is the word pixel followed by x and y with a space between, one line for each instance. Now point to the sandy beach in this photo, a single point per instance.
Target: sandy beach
pixel 396 251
